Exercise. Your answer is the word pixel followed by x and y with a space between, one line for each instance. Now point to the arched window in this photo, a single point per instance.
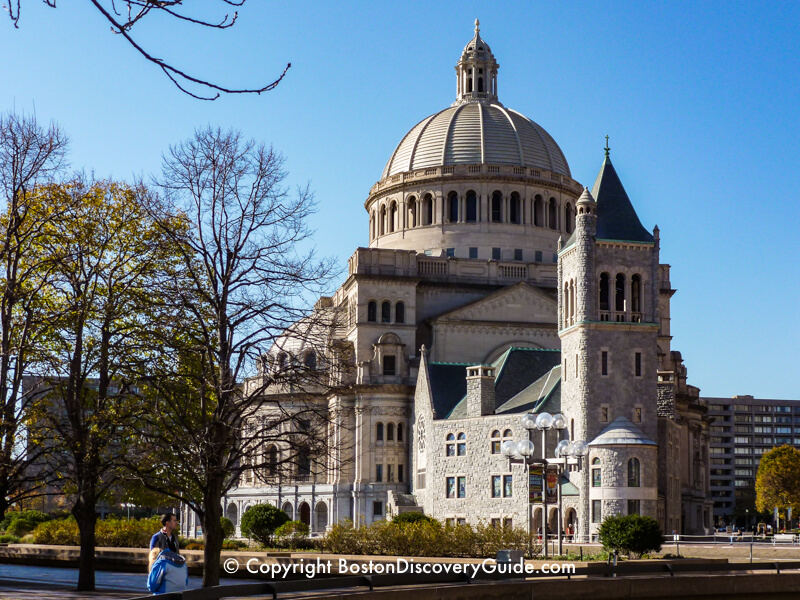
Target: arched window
pixel 570 219
pixel 399 313
pixel 311 360
pixel 412 211
pixel 386 312
pixel 372 311
pixel 604 292
pixel 472 207
pixel 480 84
pixel 513 208
pixel 399 432
pixel 597 476
pixel 462 444
pixel 372 225
pixel 272 460
pixel 572 302
pixel 382 221
pixel 469 85
pixel 552 214
pixel 538 211
pixel 497 207
pixel 633 473
pixel 452 207
pixel 379 432
pixel 508 433
pixel 427 207
pixel 636 293
pixel 619 294
pixel 495 443
pixel 393 217
pixel 450 446
pixel 390 432
pixel 565 301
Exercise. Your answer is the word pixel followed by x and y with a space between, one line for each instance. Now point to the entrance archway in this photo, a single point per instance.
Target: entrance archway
pixel 537 522
pixel 321 517
pixel 287 508
pixel 232 513
pixel 571 524
pixel 305 513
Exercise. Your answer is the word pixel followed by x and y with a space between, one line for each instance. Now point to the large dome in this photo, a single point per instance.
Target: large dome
pixel 477 133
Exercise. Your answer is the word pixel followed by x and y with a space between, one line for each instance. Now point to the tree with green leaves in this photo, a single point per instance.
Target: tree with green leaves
pixel 108 256
pixel 261 520
pixel 778 480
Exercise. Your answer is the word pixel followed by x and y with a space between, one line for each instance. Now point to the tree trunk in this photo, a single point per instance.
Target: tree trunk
pixel 86 517
pixel 213 538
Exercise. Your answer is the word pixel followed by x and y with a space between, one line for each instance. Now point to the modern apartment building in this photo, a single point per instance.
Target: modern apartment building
pixel 742 429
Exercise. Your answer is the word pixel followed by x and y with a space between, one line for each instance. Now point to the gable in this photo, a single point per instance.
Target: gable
pixel 519 303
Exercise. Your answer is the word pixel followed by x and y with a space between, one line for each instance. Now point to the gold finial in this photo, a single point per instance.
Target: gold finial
pixel 477 26
pixel 607 149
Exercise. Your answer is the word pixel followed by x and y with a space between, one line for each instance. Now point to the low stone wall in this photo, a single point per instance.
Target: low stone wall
pixel 702 587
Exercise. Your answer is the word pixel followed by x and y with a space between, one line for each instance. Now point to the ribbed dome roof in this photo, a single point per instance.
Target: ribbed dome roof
pixel 477 133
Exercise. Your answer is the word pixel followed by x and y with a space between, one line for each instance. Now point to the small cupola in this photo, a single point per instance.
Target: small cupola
pixel 476 72
pixel 586 204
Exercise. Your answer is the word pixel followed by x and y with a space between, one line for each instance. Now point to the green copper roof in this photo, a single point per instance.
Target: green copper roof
pixel 616 217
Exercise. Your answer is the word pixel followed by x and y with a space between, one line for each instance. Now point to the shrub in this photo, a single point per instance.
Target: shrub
pixel 411 517
pixel 126 533
pixel 293 535
pixel 631 534
pixel 233 545
pixel 292 528
pixel 112 532
pixel 20 523
pixel 260 522
pixel 58 532
pixel 425 537
pixel 228 528
pixel 9 539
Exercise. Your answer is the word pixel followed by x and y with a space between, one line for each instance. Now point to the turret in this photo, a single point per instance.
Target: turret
pixel 584 263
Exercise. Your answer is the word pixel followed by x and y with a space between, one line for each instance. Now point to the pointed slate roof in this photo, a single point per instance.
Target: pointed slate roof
pixel 616 217
pixel 622 432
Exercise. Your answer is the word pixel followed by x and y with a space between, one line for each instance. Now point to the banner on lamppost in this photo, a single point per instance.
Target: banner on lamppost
pixel 551 489
pixel 535 485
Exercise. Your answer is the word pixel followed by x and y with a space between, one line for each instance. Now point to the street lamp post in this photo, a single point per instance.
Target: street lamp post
pixel 522 451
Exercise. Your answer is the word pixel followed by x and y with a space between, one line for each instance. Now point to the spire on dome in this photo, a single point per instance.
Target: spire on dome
pixel 476 72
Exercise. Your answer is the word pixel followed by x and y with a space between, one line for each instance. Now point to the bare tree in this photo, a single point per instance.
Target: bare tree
pixel 247 283
pixel 134 11
pixel 30 156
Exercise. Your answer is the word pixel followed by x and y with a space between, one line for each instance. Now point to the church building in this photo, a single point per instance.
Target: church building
pixel 495 285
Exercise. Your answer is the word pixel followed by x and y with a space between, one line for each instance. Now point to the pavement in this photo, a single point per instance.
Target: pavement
pixel 48 583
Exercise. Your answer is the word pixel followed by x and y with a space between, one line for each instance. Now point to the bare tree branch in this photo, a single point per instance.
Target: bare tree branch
pixel 137 10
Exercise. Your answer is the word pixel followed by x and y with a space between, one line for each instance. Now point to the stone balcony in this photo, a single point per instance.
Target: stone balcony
pixel 408 263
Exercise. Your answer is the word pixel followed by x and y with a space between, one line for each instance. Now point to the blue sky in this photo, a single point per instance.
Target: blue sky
pixel 700 100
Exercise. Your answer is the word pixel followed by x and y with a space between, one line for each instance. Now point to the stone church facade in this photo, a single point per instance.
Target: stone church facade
pixel 495 285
